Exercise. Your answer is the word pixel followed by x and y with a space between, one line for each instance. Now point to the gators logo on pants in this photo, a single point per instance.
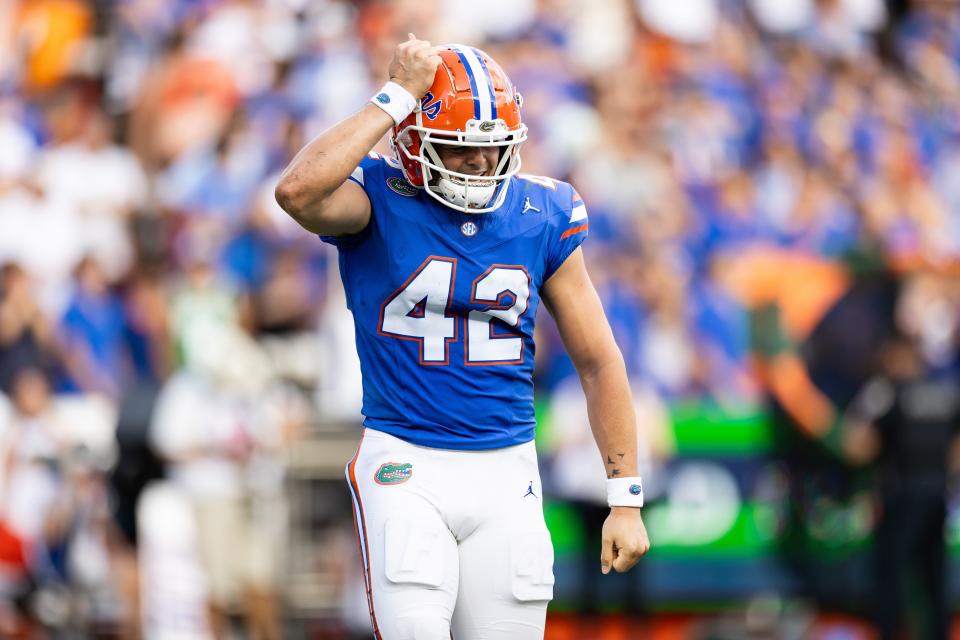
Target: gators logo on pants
pixel 393 472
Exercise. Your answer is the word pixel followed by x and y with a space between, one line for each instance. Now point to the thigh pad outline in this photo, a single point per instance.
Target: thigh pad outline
pixel 412 552
pixel 531 566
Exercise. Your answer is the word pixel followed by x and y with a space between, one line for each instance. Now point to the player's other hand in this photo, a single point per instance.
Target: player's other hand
pixel 414 65
pixel 624 539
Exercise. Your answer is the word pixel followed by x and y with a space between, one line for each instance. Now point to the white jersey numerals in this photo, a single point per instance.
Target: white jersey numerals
pixel 483 346
pixel 420 310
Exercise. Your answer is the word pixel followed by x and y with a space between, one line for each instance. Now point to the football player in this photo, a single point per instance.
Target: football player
pixel 445 253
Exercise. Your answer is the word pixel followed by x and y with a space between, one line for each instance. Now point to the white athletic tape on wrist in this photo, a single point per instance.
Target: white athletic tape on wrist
pixel 625 492
pixel 395 100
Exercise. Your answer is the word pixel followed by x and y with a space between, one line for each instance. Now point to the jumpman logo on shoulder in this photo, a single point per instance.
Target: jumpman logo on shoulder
pixel 528 206
pixel 530 491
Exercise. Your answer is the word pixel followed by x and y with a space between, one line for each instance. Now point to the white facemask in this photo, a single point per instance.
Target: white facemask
pixel 464 192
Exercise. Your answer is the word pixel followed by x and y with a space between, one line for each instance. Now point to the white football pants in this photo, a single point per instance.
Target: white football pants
pixel 453 542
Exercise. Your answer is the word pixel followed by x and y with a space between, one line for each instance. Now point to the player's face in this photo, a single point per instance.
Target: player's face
pixel 474 161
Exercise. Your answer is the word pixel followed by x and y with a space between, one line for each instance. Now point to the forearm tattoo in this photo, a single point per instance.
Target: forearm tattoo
pixel 612 470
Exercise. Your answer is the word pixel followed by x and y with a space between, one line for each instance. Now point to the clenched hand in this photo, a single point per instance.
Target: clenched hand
pixel 624 539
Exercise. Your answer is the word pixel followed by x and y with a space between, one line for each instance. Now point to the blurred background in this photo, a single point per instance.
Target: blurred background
pixel 774 192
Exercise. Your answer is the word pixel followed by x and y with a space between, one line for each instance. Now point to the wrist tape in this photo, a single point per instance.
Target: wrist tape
pixel 396 101
pixel 625 492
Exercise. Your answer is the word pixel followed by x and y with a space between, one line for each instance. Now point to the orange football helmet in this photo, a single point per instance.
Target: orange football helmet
pixel 471 103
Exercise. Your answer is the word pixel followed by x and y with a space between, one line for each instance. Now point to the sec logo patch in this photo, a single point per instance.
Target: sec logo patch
pixel 469 229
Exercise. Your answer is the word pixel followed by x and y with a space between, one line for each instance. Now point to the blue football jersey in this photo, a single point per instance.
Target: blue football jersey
pixel 444 305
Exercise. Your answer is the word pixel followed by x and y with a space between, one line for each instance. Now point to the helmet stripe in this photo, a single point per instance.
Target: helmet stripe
pixel 486 73
pixel 473 84
pixel 479 84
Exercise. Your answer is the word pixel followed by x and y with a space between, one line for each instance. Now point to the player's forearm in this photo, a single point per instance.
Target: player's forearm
pixel 612 416
pixel 329 159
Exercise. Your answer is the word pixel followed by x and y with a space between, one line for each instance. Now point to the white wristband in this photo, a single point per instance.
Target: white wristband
pixel 395 100
pixel 625 492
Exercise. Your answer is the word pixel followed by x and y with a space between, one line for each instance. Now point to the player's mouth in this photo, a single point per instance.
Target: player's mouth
pixel 473 182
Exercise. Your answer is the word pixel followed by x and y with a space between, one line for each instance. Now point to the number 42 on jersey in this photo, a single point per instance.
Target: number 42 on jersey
pixel 420 311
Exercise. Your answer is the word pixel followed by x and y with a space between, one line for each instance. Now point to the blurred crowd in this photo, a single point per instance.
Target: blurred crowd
pixel 743 162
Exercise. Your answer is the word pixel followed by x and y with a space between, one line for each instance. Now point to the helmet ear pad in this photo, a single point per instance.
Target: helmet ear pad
pixel 410 139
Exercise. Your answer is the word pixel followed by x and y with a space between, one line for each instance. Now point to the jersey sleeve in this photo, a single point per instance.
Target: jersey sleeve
pixel 569 231
pixel 365 175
